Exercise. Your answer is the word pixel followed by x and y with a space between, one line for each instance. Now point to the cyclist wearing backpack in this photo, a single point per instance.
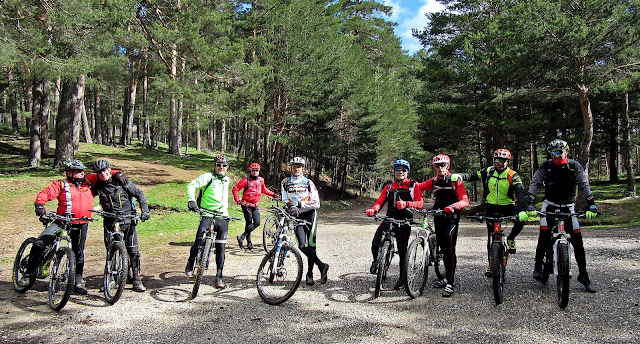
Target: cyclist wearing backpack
pixel 214 196
pixel 560 176
pixel 115 197
pixel 301 196
pixel 253 186
pixel 400 194
pixel 503 189
pixel 451 197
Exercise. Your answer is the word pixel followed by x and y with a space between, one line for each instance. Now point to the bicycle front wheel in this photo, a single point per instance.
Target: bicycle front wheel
pixel 62 278
pixel 116 270
pixel 497 271
pixel 563 274
pixel 270 233
pixel 384 261
pixel 416 267
pixel 200 265
pixel 20 267
pixel 279 274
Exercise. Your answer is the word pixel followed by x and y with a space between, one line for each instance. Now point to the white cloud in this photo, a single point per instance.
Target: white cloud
pixel 416 20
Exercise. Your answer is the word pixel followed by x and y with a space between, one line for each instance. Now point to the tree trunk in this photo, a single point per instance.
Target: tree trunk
pixel 212 135
pixel 174 135
pixel 625 148
pixel 46 115
pixel 613 148
pixel 68 120
pixel 85 123
pixel 146 141
pixel 97 114
pixel 223 137
pixel 587 119
pixel 35 152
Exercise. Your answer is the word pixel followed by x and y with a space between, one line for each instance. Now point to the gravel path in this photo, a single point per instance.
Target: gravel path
pixel 343 310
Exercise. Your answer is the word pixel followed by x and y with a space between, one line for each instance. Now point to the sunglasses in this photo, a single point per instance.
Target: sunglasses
pixel 222 165
pixel 402 170
pixel 441 165
pixel 502 160
pixel 255 170
pixel 558 152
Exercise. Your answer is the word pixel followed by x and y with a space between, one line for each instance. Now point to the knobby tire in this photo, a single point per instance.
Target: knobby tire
pixel 270 233
pixel 275 288
pixel 62 278
pixel 563 274
pixel 200 265
pixel 497 271
pixel 116 270
pixel 416 267
pixel 383 265
pixel 20 266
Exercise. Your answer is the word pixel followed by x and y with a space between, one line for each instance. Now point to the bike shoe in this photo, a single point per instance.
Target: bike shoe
pixel 441 283
pixel 249 245
pixel 399 284
pixel 26 279
pixel 323 273
pixel 310 280
pixel 138 286
pixel 512 246
pixel 586 283
pixel 374 268
pixel 188 270
pixel 80 289
pixel 448 290
pixel 240 241
pixel 487 271
pixel 220 283
pixel 537 274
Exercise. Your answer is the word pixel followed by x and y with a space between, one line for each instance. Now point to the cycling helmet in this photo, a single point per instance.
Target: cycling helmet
pixel 557 145
pixel 502 153
pixel 73 165
pixel 297 160
pixel 221 159
pixel 402 162
pixel 254 166
pixel 440 158
pixel 100 165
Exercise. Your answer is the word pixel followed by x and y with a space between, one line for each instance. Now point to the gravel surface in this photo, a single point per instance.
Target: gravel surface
pixel 343 310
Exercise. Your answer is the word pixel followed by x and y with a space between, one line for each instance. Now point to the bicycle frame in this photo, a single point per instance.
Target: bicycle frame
pixel 559 235
pixel 283 236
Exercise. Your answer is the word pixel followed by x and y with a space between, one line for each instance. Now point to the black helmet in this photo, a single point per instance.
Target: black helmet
pixel 73 165
pixel 100 165
pixel 221 159
pixel 557 145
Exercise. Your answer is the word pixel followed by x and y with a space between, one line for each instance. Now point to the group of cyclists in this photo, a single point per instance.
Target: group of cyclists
pixel 504 195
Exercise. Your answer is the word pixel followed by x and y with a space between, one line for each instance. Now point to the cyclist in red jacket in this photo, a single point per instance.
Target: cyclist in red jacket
pixel 253 187
pixel 452 198
pixel 402 193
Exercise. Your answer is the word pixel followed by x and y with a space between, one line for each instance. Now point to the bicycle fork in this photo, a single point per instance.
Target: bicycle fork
pixel 561 237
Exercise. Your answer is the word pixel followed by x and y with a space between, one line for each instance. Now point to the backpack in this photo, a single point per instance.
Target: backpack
pixel 492 169
pixel 412 186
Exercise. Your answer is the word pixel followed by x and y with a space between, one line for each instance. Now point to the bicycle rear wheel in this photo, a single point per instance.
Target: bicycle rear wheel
pixel 563 274
pixel 436 258
pixel 270 233
pixel 497 271
pixel 547 265
pixel 276 284
pixel 200 265
pixel 116 269
pixel 416 267
pixel 62 278
pixel 20 267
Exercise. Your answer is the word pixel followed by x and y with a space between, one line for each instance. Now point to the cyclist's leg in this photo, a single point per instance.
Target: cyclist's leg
pixel 205 223
pixel 248 224
pixel 492 211
pixel 544 240
pixel 45 238
pixel 309 246
pixel 402 239
pixel 133 249
pixel 511 210
pixel 377 238
pixel 446 235
pixel 222 228
pixel 78 234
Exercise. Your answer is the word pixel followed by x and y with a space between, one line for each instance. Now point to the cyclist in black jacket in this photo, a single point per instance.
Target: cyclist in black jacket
pixel 560 176
pixel 115 197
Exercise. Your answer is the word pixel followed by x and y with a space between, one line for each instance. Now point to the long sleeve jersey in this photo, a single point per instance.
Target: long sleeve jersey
pixel 302 190
pixel 253 189
pixel 215 192
pixel 446 192
pixel 407 190
pixel 560 182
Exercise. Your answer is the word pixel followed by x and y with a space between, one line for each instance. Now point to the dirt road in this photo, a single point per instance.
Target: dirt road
pixel 342 310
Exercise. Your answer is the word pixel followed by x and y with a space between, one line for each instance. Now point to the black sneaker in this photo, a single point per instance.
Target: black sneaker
pixel 487 272
pixel 399 284
pixel 323 273
pixel 537 274
pixel 441 283
pixel 448 290
pixel 249 245
pixel 138 286
pixel 220 283
pixel 240 241
pixel 374 268
pixel 80 289
pixel 188 270
pixel 586 283
pixel 310 280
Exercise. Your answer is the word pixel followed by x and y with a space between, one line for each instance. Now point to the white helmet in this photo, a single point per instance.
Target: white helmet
pixel 297 160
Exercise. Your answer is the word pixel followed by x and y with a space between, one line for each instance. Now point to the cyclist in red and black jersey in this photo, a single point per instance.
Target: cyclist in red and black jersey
pixel 452 198
pixel 253 187
pixel 402 193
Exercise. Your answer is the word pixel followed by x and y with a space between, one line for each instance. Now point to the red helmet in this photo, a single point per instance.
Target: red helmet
pixel 502 153
pixel 255 166
pixel 440 158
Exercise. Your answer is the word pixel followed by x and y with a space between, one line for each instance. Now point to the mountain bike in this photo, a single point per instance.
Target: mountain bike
pixel 116 267
pixel 557 258
pixel 273 224
pixel 386 251
pixel 205 249
pixel 498 252
pixel 422 252
pixel 280 271
pixel 58 262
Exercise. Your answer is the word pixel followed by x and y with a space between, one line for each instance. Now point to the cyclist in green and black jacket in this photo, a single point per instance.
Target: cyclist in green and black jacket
pixel 504 194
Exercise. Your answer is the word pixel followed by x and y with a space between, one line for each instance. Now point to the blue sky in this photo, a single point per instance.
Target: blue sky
pixel 410 14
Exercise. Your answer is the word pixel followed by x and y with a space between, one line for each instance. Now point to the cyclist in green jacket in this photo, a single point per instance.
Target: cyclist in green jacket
pixel 504 195
pixel 214 188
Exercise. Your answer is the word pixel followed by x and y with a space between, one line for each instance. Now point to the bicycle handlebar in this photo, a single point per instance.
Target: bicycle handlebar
pixel 559 214
pixel 481 218
pixel 398 222
pixel 118 216
pixel 434 212
pixel 217 215
pixel 52 216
